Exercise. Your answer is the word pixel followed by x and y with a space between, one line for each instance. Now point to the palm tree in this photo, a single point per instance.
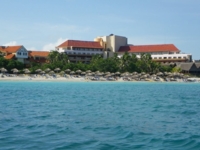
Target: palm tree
pixel 125 60
pixel 52 56
pixel 55 56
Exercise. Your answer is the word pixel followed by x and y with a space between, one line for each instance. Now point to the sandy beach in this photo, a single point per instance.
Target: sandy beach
pixel 50 78
pixel 74 79
pixel 40 78
pixel 32 78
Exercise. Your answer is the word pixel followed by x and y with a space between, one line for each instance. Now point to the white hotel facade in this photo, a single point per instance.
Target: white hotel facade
pixel 108 45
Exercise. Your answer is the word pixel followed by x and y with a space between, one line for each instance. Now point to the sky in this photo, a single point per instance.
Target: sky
pixel 44 24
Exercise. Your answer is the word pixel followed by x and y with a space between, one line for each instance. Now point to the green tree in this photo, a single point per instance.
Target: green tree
pixel 176 69
pixel 3 62
pixel 133 64
pixel 125 62
pixel 55 56
pixel 145 62
pixel 1 54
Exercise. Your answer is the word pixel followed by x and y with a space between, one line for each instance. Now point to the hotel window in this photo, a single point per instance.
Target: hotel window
pixel 174 57
pixel 169 57
pixel 155 57
pixel 165 57
pixel 179 57
pixel 160 57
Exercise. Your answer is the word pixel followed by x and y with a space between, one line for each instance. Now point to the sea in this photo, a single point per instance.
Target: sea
pixel 99 116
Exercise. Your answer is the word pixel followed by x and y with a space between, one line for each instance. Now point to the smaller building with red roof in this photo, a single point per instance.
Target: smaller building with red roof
pixel 15 52
pixel 38 56
pixel 21 54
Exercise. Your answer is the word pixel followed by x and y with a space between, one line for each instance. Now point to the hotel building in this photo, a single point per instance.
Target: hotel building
pixel 108 45
pixel 159 53
pixel 80 50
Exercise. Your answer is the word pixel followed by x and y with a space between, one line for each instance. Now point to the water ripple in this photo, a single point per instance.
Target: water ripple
pixel 58 116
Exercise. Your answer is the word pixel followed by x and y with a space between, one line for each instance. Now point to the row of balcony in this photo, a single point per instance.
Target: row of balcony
pixel 79 59
pixel 82 49
pixel 169 58
pixel 68 52
pixel 172 60
pixel 85 55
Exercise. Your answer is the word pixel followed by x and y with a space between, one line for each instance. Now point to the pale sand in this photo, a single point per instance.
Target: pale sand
pixel 68 79
pixel 26 78
pixel 57 79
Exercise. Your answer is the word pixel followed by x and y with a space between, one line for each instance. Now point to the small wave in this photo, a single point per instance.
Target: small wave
pixel 184 143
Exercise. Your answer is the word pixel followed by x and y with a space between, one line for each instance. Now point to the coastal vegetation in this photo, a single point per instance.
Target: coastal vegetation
pixel 127 63
pixel 10 64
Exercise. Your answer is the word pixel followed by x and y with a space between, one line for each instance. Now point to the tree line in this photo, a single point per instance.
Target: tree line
pixel 127 63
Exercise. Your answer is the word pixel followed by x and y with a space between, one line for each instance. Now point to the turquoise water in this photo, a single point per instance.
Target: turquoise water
pixel 102 116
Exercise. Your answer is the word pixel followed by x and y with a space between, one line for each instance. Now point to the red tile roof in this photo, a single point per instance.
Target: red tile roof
pixel 83 44
pixel 38 53
pixel 149 48
pixel 2 49
pixel 9 56
pixel 12 49
pixel 41 60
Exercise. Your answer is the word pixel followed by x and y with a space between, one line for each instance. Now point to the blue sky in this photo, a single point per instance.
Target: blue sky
pixel 42 24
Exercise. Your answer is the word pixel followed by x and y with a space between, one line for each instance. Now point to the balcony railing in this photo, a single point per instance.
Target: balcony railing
pixel 79 59
pixel 172 60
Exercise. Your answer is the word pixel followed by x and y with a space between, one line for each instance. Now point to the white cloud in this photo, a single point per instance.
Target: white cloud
pixel 51 46
pixel 31 48
pixel 12 43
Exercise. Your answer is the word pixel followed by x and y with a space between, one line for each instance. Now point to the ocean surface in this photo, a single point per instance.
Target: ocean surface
pixel 99 116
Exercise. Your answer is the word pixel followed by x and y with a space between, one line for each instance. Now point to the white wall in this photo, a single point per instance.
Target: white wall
pixel 21 53
pixel 113 42
pixel 164 56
